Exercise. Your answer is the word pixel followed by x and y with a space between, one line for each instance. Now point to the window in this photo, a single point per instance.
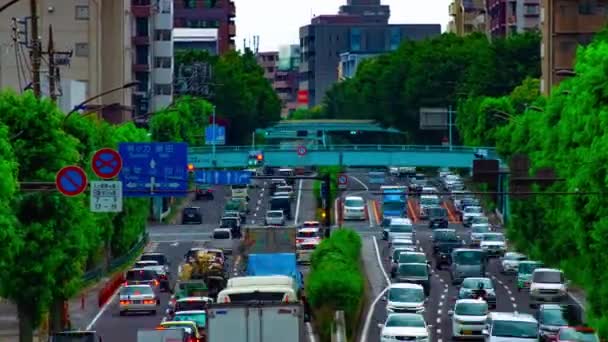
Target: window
pixel 82 12
pixel 162 89
pixel 395 38
pixel 587 7
pixel 81 50
pixel 189 3
pixel 162 35
pixel 165 6
pixel 162 62
pixel 355 39
pixel 531 9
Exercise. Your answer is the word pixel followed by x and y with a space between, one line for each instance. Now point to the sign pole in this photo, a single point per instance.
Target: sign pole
pixel 214 130
pixel 450 125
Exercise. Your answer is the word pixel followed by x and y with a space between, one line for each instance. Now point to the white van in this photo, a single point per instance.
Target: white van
pixel 246 294
pixel 274 280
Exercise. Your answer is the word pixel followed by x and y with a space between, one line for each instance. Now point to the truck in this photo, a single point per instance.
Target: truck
pixel 75 336
pixel 394 201
pixel 268 322
pixel 266 240
pixel 162 335
pixel 274 264
pixel 203 267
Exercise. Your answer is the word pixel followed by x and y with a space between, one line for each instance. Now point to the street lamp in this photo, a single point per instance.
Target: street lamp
pixel 81 105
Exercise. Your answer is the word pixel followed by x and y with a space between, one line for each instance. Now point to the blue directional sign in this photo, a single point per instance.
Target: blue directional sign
pixel 218 134
pixel 223 177
pixel 154 169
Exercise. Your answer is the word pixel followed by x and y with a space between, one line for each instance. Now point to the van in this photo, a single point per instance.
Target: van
pixel 287 173
pixel 246 294
pixel 467 263
pixel 274 280
pixel 281 203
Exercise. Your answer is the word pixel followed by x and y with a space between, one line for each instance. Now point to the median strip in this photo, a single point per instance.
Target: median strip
pixel 412 213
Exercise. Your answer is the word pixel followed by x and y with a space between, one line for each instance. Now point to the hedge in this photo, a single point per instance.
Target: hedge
pixel 336 280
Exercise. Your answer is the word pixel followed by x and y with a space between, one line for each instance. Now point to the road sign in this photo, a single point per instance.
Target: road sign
pixel 342 181
pixel 223 177
pixel 154 169
pixel 106 196
pixel 218 134
pixel 71 180
pixel 106 163
pixel 302 150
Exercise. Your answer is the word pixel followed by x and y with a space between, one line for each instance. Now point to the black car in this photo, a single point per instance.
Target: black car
pixel 551 317
pixel 162 260
pixel 192 215
pixel 437 216
pixel 444 242
pixel 203 192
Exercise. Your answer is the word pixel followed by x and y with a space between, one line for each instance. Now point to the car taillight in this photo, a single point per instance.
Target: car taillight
pixel 163 276
pixel 126 283
pixel 149 301
pixel 154 282
pixel 193 339
pixel 124 302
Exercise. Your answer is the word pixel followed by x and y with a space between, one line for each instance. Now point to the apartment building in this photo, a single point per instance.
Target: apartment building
pixel 97 33
pixel 210 14
pixel 287 78
pixel 468 16
pixel 349 62
pixel 506 17
pixel 566 24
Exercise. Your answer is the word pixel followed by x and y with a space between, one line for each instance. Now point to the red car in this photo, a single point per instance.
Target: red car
pixel 576 334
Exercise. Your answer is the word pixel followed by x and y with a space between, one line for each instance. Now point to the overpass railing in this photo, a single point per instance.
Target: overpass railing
pixel 364 147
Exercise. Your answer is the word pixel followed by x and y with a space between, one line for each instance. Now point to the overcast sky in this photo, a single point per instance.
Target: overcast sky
pixel 277 21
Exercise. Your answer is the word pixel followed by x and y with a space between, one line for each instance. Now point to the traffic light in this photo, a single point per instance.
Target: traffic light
pixel 256 158
pixel 190 167
pixel 260 157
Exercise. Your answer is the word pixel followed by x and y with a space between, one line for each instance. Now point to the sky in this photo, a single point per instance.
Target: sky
pixel 277 22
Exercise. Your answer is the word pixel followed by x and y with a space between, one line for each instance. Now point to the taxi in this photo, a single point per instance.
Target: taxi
pixel 311 224
pixel 308 234
pixel 138 298
pixel 305 249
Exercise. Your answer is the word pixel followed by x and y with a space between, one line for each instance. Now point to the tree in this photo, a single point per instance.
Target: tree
pixel 184 121
pixel 307 114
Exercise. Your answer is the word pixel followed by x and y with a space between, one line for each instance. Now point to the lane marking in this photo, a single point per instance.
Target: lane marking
pixel 379 259
pixel 103 309
pixel 175 244
pixel 370 313
pixel 311 334
pixel 295 220
pixel 360 182
pixel 259 201
pixel 369 217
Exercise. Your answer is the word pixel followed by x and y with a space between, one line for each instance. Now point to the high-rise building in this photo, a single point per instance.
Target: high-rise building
pixel 287 79
pixel 218 14
pixel 566 24
pixel 98 33
pixel 370 10
pixel 506 17
pixel 468 16
pixel 328 36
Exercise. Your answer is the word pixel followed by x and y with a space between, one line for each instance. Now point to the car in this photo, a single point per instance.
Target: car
pixel 407 257
pixel 199 317
pixel 187 304
pixel 192 215
pixel 510 262
pixel 203 192
pixel 142 264
pixel 137 298
pixel 477 232
pixel 470 285
pixel 396 243
pixel 141 276
pixel 426 202
pixel 437 216
pixel 282 203
pixel 160 259
pixel 569 334
pixel 552 317
pixel 189 326
pixel 494 244
pixel 221 238
pixel 466 263
pixel 524 273
pixel 275 183
pixel 469 213
pixel 404 298
pixel 401 228
pixel 480 220
pixel 288 189
pixel 308 235
pixel 394 256
pixel 311 224
pixel 354 208
pixel 161 273
pixel 233 223
pixel 548 285
pixel 414 273
pixel 468 318
pixel 404 327
pixel 511 327
pixel 305 249
pixel 274 218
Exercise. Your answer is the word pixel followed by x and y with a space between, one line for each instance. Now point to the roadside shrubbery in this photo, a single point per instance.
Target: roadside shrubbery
pixel 336 280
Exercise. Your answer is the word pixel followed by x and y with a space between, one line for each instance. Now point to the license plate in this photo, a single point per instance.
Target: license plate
pixel 467 332
pixel 137 302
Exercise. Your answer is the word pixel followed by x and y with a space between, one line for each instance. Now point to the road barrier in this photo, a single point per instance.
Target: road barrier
pixel 109 288
pixel 339 328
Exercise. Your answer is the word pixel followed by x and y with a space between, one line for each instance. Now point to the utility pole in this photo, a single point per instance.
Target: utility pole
pixel 35 49
pixel 53 72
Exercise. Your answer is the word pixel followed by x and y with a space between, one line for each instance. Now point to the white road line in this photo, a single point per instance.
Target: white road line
pixel 295 220
pixel 360 182
pixel 439 310
pixel 103 309
pixel 370 314
pixel 438 322
pixel 259 201
pixel 446 288
pixel 175 244
pixel 379 259
pixel 369 213
pixel 311 334
pixel 442 296
pixel 256 214
pixel 261 195
pixel 178 234
pixel 512 299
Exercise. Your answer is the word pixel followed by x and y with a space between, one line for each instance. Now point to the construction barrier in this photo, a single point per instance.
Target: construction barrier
pixel 109 288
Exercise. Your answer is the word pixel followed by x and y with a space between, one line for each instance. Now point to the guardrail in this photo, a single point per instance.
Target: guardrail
pixel 339 328
pixel 361 147
pixel 98 272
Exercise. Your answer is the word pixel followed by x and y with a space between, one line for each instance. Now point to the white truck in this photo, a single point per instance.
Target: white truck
pixel 262 322
pixel 162 335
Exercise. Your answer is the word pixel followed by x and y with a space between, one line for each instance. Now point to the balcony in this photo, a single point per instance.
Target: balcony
pixel 232 29
pixel 141 67
pixel 231 10
pixel 140 40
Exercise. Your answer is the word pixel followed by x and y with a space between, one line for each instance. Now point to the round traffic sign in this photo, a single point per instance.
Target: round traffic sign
pixel 302 150
pixel 71 180
pixel 342 180
pixel 106 163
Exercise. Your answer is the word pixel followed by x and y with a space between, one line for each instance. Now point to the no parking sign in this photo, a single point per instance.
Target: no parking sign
pixel 342 181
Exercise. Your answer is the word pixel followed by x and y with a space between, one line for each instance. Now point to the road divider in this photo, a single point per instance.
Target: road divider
pixel 449 207
pixel 413 210
pixel 376 211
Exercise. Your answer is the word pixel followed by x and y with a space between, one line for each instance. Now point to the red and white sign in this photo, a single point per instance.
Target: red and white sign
pixel 106 163
pixel 302 150
pixel 71 180
pixel 303 96
pixel 342 181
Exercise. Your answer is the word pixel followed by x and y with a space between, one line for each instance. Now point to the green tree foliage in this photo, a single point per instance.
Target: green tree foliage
pixel 432 73
pixel 307 114
pixel 184 121
pixel 339 254
pixel 240 92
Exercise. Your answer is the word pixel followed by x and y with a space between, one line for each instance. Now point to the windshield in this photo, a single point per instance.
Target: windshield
pixel 473 283
pixel 413 270
pixel 308 234
pixel 228 222
pixel 393 206
pixel 481 229
pixel 471 309
pixel 406 258
pixel 527 267
pixel 238 187
pixel 310 225
pixel 274 214
pixel 413 295
pixel 190 211
pixel 548 277
pixel 570 334
pixel 493 237
pixel 437 212
pixel 221 234
pixel 428 201
pixel 187 305
pixel 553 317
pixel 480 220
pixel 401 229
pixel 159 258
pixel 515 329
pixel 472 210
pixel 136 290
pixel 199 318
pixel 354 203
pixel 140 275
pixel 415 321
pixel 445 235
pixel 468 257
pixel 517 257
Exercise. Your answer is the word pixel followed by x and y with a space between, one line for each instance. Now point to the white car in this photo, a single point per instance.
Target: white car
pixel 404 327
pixel 471 212
pixel 477 233
pixel 493 244
pixel 305 249
pixel 354 208
pixel 511 327
pixel 397 243
pixel 275 218
pixel 510 262
pixel 401 228
pixel 468 318
pixel 138 298
pixel 404 298
pixel 548 285
pixel 308 234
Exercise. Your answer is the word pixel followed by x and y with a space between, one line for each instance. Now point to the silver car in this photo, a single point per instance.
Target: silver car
pixel 138 298
pixel 275 218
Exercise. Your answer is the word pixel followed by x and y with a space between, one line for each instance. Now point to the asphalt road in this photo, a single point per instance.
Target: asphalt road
pixel 175 240
pixel 443 293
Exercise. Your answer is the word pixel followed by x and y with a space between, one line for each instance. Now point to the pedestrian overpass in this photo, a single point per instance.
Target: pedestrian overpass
pixel 346 155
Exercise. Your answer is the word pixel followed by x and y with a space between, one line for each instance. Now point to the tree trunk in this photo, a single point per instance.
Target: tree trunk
pixel 26 323
pixel 56 315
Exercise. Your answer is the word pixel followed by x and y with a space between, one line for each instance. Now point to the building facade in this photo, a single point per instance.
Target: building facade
pixel 196 39
pixel 99 36
pixel 210 14
pixel 349 61
pixel 468 16
pixel 566 24
pixel 507 17
pixel 287 78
